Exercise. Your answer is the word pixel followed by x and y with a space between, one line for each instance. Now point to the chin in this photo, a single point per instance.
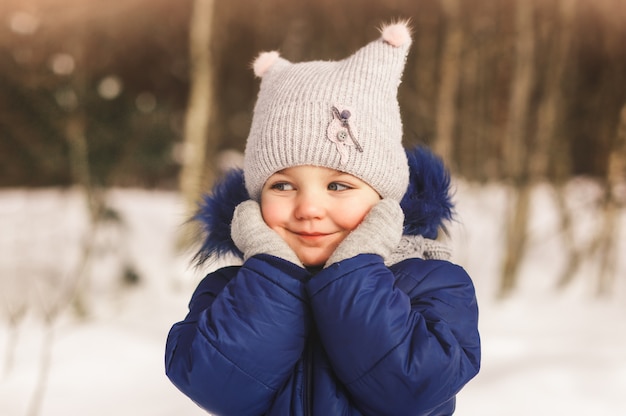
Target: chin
pixel 313 261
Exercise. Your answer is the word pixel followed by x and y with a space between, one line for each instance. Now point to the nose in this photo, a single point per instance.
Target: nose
pixel 309 205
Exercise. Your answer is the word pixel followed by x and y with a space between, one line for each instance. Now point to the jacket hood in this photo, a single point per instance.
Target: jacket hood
pixel 427 204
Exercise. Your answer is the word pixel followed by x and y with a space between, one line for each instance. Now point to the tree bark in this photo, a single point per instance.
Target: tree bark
pixel 516 151
pixel 551 106
pixel 194 176
pixel 449 84
pixel 610 232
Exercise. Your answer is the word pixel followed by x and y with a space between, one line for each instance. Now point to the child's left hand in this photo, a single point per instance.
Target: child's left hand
pixel 379 233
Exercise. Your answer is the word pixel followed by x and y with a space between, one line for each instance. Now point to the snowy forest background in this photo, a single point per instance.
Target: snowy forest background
pixel 115 115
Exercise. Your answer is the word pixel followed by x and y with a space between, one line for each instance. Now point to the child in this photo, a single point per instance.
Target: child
pixel 344 304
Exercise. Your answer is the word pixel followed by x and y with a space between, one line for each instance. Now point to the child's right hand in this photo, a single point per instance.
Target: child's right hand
pixel 252 236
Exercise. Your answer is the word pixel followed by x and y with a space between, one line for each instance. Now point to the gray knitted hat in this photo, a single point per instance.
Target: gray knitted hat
pixel 342 115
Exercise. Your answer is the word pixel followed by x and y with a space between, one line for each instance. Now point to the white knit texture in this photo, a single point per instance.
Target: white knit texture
pixel 294 109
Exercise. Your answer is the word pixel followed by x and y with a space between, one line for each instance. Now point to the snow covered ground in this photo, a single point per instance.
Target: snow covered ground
pixel 544 352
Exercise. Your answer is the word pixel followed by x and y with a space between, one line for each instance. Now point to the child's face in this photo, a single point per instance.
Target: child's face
pixel 313 209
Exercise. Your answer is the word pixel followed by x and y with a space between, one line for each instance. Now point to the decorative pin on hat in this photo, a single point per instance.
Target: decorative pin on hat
pixel 341 133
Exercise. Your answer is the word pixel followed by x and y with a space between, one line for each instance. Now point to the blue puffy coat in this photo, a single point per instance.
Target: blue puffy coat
pixel 357 338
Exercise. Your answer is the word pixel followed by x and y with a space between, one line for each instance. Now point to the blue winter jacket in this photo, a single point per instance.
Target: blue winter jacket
pixel 356 338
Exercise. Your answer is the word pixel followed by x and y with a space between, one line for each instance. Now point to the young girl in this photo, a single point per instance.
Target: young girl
pixel 344 303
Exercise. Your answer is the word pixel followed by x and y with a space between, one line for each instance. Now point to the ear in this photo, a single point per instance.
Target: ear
pixel 264 62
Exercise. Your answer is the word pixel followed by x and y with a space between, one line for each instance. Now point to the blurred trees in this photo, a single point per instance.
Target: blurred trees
pixel 115 71
pixel 518 91
pixel 125 66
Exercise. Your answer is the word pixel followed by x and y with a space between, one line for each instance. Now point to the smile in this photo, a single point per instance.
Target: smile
pixel 310 235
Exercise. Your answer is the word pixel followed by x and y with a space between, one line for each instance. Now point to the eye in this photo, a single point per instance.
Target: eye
pixel 282 186
pixel 336 186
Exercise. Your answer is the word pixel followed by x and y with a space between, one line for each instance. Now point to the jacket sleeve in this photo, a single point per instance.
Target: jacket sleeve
pixel 245 331
pixel 398 354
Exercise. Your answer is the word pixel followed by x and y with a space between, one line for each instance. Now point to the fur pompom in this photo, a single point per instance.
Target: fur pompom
pixel 264 62
pixel 427 203
pixel 215 214
pixel 397 34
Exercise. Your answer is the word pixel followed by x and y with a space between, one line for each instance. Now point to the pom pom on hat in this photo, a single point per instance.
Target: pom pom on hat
pixel 264 62
pixel 396 34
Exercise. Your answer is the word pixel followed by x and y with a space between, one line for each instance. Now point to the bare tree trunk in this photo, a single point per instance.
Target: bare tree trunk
pixel 52 305
pixel 516 150
pixel 607 241
pixel 15 313
pixel 449 84
pixel 424 97
pixel 477 142
pixel 194 175
pixel 575 253
pixel 34 408
pixel 610 232
pixel 550 108
pixel 556 149
pixel 75 133
pixel 516 236
pixel 604 242
pixel 523 78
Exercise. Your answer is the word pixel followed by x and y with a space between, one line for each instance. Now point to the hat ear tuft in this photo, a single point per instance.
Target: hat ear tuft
pixel 397 34
pixel 264 62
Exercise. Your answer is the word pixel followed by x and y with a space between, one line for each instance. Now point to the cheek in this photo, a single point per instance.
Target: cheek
pixel 273 213
pixel 353 217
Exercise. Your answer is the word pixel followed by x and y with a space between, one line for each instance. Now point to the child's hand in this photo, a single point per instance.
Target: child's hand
pixel 379 233
pixel 252 236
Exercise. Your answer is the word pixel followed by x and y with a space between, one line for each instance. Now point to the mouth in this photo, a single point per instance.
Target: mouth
pixel 311 235
pixel 311 238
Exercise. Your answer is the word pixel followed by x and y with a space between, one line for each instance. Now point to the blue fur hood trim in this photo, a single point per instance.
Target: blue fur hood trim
pixel 427 204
